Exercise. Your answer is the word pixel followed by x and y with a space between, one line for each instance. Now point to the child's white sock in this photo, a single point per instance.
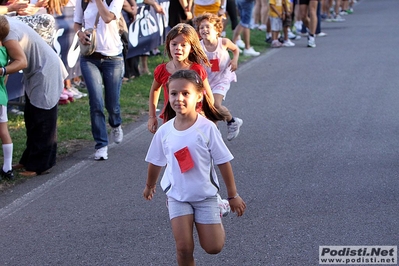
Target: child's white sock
pixel 7 154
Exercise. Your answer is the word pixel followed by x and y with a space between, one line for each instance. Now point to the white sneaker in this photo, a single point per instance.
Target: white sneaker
pixel 251 52
pixel 76 93
pixel 234 128
pixel 117 134
pixel 291 35
pixel 253 26
pixel 240 44
pixel 328 19
pixel 101 154
pixel 338 18
pixel 321 34
pixel 224 206
pixel 288 43
pixel 298 26
pixel 311 42
pixel 262 27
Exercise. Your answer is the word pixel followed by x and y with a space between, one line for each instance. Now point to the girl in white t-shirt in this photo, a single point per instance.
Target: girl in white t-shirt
pixel 189 145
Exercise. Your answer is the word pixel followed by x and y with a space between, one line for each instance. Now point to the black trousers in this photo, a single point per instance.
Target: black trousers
pixel 41 138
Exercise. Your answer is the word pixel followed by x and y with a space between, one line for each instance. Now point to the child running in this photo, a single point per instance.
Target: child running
pixel 7 145
pixel 221 73
pixel 184 50
pixel 189 145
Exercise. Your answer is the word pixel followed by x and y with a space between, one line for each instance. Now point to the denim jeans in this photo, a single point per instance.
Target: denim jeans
pixel 245 8
pixel 96 72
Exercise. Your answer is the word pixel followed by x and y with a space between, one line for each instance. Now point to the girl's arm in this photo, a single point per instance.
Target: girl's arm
pixel 208 90
pixel 152 106
pixel 152 177
pixel 229 45
pixel 237 205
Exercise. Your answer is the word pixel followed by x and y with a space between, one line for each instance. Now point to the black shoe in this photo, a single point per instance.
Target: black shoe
pixel 9 175
pixel 269 40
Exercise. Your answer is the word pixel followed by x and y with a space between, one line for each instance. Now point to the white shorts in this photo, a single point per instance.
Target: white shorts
pixel 221 88
pixel 205 212
pixel 276 24
pixel 3 114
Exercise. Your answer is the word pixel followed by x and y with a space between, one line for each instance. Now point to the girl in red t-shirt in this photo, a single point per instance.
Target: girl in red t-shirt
pixel 184 50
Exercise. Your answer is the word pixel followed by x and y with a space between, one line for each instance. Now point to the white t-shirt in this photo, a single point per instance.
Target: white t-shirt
pixel 108 40
pixel 206 147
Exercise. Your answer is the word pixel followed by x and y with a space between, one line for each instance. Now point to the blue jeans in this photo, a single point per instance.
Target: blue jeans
pixel 96 72
pixel 245 8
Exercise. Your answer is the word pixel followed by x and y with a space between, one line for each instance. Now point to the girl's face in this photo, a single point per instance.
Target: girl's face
pixel 207 30
pixel 179 48
pixel 183 96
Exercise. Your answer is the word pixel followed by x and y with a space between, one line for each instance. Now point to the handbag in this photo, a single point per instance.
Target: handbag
pixel 88 49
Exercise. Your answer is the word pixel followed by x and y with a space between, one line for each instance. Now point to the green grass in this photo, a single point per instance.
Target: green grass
pixel 74 131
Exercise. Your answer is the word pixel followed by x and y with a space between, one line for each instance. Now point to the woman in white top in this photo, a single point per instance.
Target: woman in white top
pixel 103 70
pixel 189 145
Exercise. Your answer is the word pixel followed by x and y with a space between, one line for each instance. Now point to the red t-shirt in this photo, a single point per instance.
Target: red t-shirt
pixel 161 75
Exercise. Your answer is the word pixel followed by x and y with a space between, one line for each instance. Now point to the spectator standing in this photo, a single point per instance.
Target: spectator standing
pixel 105 67
pixel 245 8
pixel 287 22
pixel 180 12
pixel 261 14
pixel 217 7
pixel 129 11
pixel 43 77
pixel 335 17
pixel 276 16
pixel 308 13
pixel 231 12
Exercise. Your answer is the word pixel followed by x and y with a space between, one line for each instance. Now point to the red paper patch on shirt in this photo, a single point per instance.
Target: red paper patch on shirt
pixel 184 159
pixel 215 65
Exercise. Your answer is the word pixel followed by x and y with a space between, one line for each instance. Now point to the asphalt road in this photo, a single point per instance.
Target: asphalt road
pixel 317 162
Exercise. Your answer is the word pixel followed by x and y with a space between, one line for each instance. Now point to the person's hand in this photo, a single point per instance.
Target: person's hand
pixel 158 9
pixel 149 192
pixel 133 13
pixel 221 13
pixel 29 11
pixel 17 6
pixel 233 65
pixel 189 15
pixel 84 37
pixel 237 205
pixel 42 3
pixel 152 124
